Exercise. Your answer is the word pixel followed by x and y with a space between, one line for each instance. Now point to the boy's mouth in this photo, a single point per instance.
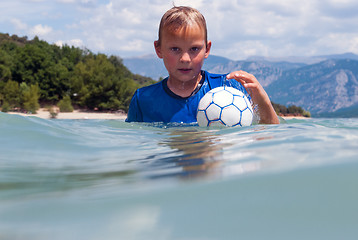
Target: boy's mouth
pixel 184 70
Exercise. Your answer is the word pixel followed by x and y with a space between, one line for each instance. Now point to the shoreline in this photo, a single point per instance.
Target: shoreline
pixel 76 114
pixel 294 117
pixel 82 114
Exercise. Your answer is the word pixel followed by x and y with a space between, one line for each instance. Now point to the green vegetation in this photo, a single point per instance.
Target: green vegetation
pixel 34 73
pixel 290 110
pixel 65 104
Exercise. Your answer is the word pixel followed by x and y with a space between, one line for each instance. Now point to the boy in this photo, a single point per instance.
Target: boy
pixel 183 46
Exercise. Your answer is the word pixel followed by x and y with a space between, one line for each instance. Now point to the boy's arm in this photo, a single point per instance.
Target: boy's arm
pixel 134 114
pixel 258 95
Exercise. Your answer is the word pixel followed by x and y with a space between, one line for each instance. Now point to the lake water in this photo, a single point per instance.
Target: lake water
pixel 107 179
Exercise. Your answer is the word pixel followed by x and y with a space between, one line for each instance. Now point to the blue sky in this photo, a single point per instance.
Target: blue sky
pixel 238 29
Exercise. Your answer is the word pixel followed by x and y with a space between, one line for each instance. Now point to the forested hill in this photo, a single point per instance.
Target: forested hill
pixel 34 73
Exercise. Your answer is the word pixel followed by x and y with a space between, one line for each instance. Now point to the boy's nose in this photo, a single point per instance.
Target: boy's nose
pixel 185 57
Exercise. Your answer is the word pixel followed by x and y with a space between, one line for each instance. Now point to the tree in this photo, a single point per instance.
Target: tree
pixel 97 81
pixel 65 104
pixel 30 97
pixel 5 63
pixel 11 94
pixel 293 109
pixel 33 71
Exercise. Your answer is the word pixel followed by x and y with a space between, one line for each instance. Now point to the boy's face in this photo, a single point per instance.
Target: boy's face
pixel 183 53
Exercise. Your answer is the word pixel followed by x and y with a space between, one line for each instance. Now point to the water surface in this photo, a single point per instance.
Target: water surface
pixel 107 179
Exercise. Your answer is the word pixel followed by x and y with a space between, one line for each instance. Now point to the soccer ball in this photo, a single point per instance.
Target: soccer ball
pixel 224 106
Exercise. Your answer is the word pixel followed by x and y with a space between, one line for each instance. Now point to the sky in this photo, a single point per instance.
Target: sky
pixel 238 29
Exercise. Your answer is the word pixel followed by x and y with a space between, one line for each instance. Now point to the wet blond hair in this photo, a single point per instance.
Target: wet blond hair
pixel 180 18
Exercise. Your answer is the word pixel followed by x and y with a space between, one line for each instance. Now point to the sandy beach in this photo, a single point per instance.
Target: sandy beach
pixel 76 114
pixel 80 114
pixel 294 117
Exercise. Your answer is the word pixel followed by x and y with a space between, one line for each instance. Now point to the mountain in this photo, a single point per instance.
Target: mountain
pixel 153 67
pixel 327 86
pixel 343 112
pixel 305 60
pixel 267 72
pixel 324 85
pixel 147 65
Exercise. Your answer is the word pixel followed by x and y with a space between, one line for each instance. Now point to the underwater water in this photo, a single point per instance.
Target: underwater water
pixel 107 179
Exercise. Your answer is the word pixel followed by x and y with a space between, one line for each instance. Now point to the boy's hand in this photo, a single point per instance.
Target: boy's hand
pixel 258 95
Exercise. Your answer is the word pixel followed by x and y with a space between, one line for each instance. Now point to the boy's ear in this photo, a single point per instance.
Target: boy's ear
pixel 208 47
pixel 157 49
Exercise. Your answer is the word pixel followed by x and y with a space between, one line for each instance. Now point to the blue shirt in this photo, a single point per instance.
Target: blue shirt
pixel 157 103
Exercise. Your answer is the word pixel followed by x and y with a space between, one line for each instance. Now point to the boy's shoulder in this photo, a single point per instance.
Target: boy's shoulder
pixel 150 88
pixel 214 75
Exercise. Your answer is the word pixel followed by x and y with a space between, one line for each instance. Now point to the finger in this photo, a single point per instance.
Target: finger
pixel 230 75
pixel 249 85
pixel 234 75
pixel 240 80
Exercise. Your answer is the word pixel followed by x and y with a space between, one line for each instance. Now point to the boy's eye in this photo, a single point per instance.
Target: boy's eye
pixel 195 49
pixel 174 49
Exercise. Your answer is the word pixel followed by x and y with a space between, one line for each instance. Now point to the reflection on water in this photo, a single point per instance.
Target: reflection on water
pixel 208 153
pixel 199 153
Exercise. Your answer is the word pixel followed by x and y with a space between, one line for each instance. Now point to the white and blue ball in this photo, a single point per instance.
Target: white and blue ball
pixel 224 106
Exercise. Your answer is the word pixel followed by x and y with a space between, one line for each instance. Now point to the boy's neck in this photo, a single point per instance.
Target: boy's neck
pixel 183 89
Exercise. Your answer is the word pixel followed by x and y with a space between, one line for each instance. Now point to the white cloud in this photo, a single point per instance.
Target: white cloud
pixel 59 43
pixel 72 42
pixel 283 27
pixel 123 26
pixel 195 4
pixel 66 1
pixel 18 24
pixel 237 28
pixel 353 45
pixel 41 30
pixel 76 42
